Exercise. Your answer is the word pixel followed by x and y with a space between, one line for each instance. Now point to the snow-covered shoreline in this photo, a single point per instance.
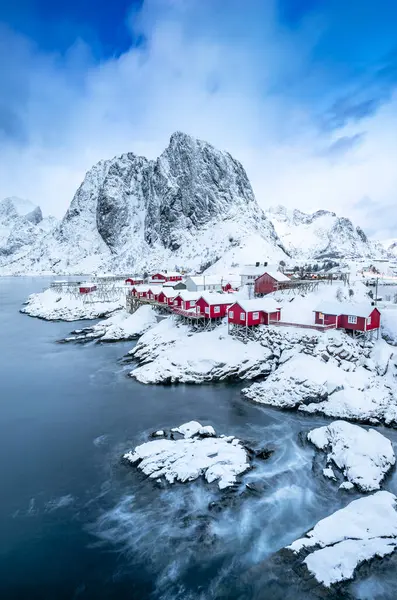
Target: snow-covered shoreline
pixel 51 305
pixel 120 326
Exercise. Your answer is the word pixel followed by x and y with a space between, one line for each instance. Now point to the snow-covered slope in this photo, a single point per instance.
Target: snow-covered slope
pixel 321 235
pixel 190 207
pixel 21 226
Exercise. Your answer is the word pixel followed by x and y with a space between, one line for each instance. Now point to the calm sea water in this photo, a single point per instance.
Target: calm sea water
pixel 76 523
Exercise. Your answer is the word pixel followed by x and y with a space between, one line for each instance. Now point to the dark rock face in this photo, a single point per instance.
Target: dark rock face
pixel 191 205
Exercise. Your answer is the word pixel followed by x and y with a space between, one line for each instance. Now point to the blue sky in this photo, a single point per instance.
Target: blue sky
pixel 303 92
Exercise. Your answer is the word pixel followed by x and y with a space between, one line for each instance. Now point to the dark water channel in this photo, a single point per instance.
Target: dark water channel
pixel 76 523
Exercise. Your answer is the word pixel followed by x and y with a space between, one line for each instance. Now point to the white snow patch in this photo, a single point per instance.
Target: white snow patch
pixel 121 325
pixel 364 456
pixel 219 459
pixel 55 306
pixel 171 352
pixel 364 529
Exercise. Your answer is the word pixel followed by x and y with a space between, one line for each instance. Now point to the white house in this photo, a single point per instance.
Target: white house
pixel 201 283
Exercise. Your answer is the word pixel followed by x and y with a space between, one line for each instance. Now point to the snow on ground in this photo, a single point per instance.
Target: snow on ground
pixel 336 376
pixel 366 528
pixel 171 352
pixel 121 325
pixel 197 453
pixel 55 306
pixel 364 456
pixel 389 325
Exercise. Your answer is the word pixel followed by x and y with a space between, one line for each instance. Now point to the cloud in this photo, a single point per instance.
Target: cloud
pixel 238 80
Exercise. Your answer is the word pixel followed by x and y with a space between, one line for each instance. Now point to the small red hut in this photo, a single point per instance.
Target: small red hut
pixel 213 305
pixel 133 281
pixel 87 288
pixel 345 315
pixel 166 296
pixel 259 311
pixel 186 300
pixel 140 291
pixel 166 276
pixel 269 282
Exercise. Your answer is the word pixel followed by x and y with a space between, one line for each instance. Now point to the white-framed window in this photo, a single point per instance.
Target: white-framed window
pixel 242 316
pixel 175 302
pixel 369 320
pixel 255 315
pixel 207 310
pixel 231 314
pixel 321 316
pixel 217 309
pixel 352 320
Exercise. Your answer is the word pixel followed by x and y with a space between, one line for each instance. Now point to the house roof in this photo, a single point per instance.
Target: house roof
pixel 142 288
pixel 359 309
pixel 277 275
pixel 186 295
pixel 267 305
pixel 169 292
pixel 252 270
pixel 168 273
pixel 207 279
pixel 215 298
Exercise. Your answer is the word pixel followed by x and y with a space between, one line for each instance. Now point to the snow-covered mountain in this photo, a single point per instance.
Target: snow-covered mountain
pixel 189 208
pixel 321 235
pixel 21 226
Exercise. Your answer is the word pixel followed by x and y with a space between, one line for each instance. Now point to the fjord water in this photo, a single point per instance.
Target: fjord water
pixel 76 523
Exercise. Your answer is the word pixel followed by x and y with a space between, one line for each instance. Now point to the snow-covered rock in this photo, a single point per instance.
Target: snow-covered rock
pixel 321 235
pixel 54 306
pixel 121 325
pixel 221 459
pixel 171 352
pixel 21 226
pixel 190 207
pixel 312 384
pixel 339 544
pixel 364 456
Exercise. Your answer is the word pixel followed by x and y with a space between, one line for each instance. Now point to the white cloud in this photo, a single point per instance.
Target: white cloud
pixel 220 82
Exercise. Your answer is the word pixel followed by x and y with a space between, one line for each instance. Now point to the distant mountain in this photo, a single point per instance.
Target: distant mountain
pixel 21 226
pixel 321 235
pixel 190 208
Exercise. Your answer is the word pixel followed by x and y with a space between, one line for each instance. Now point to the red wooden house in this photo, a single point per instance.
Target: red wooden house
pixel 166 296
pixel 269 282
pixel 259 311
pixel 166 276
pixel 133 281
pixel 213 305
pixel 345 315
pixel 87 288
pixel 186 300
pixel 140 291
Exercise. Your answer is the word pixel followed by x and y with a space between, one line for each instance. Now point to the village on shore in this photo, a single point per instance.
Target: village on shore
pixel 319 342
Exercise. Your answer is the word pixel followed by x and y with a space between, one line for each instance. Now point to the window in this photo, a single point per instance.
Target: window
pixel 217 309
pixel 352 319
pixel 231 314
pixel 175 302
pixel 207 310
pixel 369 320
pixel 321 316
pixel 255 315
pixel 242 316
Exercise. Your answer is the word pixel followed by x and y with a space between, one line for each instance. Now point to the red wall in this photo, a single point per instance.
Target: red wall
pixel 343 321
pixel 202 304
pixel 160 277
pixel 265 284
pixel 262 319
pixel 328 319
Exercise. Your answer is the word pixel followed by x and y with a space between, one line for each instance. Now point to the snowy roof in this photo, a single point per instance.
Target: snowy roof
pixel 206 279
pixel 142 288
pixel 170 284
pixel 277 275
pixel 214 298
pixel 362 309
pixel 168 293
pixel 89 284
pixel 186 295
pixel 253 270
pixel 168 273
pixel 267 305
